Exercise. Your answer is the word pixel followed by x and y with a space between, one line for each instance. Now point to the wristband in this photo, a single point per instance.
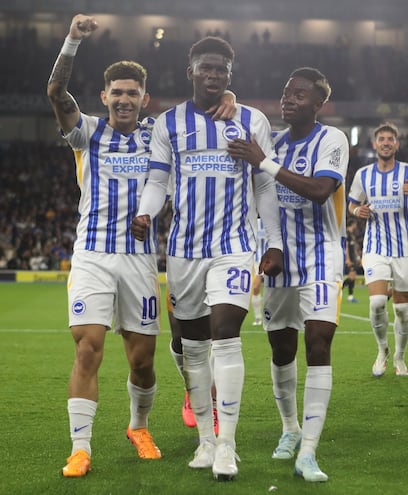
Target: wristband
pixel 70 47
pixel 355 211
pixel 270 166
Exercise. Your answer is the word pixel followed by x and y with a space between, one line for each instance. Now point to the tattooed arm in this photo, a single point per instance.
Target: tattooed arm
pixel 64 105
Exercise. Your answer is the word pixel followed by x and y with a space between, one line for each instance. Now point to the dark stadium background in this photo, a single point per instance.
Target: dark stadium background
pixel 362 47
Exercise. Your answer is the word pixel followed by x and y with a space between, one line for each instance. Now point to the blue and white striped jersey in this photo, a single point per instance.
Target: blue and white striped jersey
pixel 214 211
pixel 111 169
pixel 313 235
pixel 386 231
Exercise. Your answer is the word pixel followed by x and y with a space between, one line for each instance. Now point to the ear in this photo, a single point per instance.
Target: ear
pixel 318 105
pixel 229 79
pixel 146 100
pixel 104 97
pixel 189 73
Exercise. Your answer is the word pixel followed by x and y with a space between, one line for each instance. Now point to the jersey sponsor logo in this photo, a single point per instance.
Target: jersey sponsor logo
pixel 126 163
pixel 78 307
pixel 231 132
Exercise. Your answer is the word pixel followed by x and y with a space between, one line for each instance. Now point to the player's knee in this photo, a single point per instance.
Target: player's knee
pixel 378 303
pixel 401 312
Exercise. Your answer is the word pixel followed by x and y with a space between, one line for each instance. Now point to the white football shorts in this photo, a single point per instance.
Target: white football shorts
pixel 197 284
pixel 377 267
pixel 292 306
pixel 119 288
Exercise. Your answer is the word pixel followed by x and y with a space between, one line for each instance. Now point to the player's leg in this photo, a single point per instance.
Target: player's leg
pixel 400 305
pixel 90 301
pixel 377 272
pixel 379 323
pixel 141 387
pixel 282 322
pixel 228 294
pixel 321 317
pixel 137 320
pixel 83 395
pixel 187 279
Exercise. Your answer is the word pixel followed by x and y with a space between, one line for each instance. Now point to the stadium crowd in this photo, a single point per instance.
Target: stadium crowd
pixel 39 199
pixel 38 193
pixel 269 64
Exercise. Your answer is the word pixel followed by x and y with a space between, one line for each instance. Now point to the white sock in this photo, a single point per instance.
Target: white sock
pixel 400 329
pixel 257 306
pixel 379 320
pixel 318 385
pixel 81 415
pixel 229 380
pixel 141 402
pixel 197 375
pixel 284 383
pixel 178 359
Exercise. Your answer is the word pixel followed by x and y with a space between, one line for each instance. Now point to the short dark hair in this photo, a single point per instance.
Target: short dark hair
pixel 317 78
pixel 387 127
pixel 211 44
pixel 125 69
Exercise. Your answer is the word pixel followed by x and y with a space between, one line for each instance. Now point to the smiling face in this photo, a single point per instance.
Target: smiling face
pixel 386 145
pixel 300 101
pixel 211 75
pixel 124 99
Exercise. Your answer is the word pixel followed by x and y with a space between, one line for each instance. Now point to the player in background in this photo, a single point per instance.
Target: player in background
pixel 107 260
pixel 352 260
pixel 211 242
pixel 379 194
pixel 309 164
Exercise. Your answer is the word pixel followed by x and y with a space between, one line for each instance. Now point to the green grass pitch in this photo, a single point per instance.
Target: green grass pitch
pixel 363 447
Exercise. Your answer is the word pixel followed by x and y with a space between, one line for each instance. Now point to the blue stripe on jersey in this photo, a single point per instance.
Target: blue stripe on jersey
pixel 209 216
pixel 190 126
pixel 243 234
pixel 110 242
pixel 300 246
pixel 287 278
pixel 94 166
pixel 115 141
pixel 227 222
pixel 132 207
pixel 132 147
pixel 171 126
pixel 319 242
pixel 387 228
pixel 396 215
pixel 317 145
pixel 191 214
pixel 398 233
pixel 212 143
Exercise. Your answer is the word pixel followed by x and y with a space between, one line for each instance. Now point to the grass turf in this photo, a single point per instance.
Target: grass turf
pixel 362 448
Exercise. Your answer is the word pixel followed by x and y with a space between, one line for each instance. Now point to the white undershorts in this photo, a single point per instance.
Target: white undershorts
pixel 197 284
pixel 120 288
pixel 292 306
